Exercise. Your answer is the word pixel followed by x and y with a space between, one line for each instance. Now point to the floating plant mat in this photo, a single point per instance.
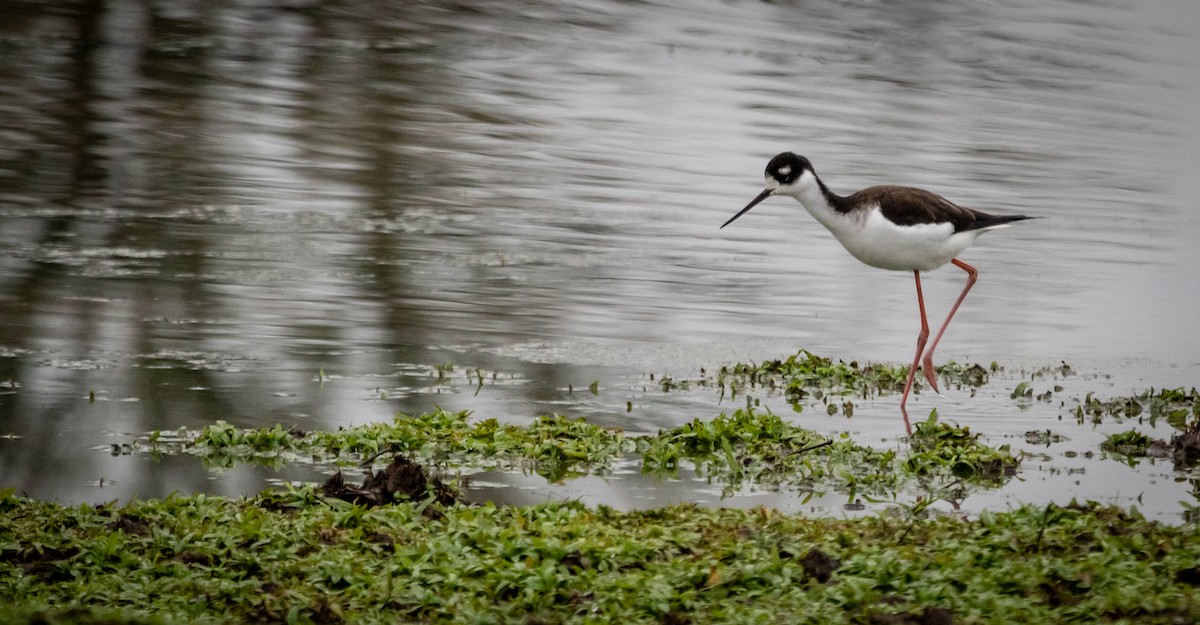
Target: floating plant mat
pixel 804 377
pixel 749 447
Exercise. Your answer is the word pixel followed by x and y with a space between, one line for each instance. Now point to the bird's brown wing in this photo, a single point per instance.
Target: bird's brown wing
pixel 908 206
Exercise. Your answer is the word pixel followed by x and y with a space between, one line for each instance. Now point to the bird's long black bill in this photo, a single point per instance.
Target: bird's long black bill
pixel 761 196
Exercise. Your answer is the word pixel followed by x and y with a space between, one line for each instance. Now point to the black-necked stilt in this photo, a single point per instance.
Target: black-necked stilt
pixel 890 227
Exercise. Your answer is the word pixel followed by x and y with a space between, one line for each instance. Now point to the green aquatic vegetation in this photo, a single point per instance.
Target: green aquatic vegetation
pixel 1129 443
pixel 760 448
pixel 555 447
pixel 1183 449
pixel 805 374
pixel 289 556
pixel 937 445
pixel 1024 390
pixel 1174 406
pixel 966 375
pixel 746 448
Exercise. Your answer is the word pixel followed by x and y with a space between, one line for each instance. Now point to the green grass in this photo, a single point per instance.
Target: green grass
pixel 291 557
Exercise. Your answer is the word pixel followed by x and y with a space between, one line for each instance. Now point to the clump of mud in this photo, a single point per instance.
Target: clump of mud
pixel 818 565
pixel 929 616
pixel 1186 448
pixel 402 480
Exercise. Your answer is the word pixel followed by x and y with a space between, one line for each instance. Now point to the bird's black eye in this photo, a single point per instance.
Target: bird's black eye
pixel 786 167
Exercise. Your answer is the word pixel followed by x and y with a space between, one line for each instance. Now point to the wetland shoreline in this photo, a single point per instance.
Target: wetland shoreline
pixel 407 546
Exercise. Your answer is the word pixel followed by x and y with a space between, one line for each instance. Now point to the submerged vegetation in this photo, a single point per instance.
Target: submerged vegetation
pixel 552 446
pixel 749 447
pixel 806 375
pixel 1183 449
pixel 1176 407
pixel 941 446
pixel 297 558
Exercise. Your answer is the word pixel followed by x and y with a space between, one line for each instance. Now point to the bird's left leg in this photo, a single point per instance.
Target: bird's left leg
pixel 921 338
pixel 927 362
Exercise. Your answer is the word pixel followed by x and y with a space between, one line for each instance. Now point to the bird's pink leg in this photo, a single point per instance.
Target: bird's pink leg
pixel 921 338
pixel 927 363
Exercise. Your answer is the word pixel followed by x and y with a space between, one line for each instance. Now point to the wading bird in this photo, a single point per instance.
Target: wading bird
pixel 889 227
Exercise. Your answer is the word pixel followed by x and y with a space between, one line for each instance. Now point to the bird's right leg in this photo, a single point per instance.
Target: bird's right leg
pixel 930 372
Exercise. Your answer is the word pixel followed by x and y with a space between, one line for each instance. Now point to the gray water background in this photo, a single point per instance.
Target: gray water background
pixel 296 212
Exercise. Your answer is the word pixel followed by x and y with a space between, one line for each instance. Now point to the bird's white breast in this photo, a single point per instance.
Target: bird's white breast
pixel 873 239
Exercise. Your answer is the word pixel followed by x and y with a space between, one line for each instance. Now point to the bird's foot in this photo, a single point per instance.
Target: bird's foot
pixel 931 376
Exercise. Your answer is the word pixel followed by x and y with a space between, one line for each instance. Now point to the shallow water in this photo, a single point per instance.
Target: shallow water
pixel 294 214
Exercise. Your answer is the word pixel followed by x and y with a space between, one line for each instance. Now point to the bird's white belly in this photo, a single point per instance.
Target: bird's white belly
pixel 880 243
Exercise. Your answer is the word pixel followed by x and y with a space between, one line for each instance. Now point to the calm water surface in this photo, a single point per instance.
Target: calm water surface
pixel 293 212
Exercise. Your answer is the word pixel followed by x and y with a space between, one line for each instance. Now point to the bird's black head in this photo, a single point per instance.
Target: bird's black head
pixel 786 168
pixel 782 174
